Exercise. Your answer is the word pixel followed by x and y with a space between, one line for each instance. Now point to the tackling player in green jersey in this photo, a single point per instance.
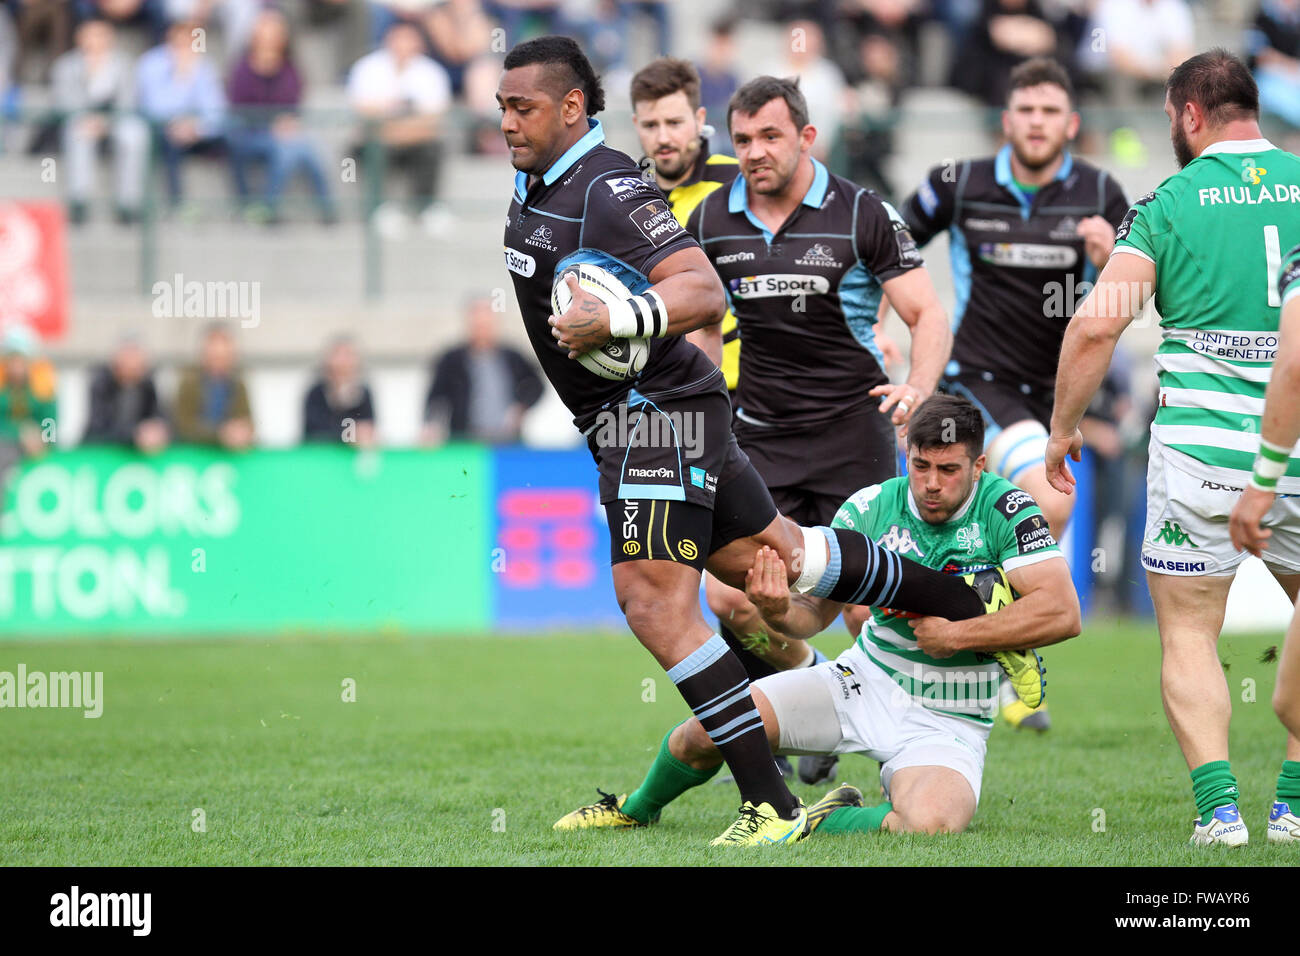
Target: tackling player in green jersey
pixel 1278 434
pixel 917 694
pixel 1208 244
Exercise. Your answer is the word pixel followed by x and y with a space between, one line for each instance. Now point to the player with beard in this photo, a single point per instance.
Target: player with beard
pixel 1028 228
pixel 576 201
pixel 807 257
pixel 1208 243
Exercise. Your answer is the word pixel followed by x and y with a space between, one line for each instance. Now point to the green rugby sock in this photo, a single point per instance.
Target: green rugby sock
pixel 1213 786
pixel 1288 784
pixel 667 779
pixel 856 819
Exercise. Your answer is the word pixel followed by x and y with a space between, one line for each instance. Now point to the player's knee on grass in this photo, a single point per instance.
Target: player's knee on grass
pixel 928 820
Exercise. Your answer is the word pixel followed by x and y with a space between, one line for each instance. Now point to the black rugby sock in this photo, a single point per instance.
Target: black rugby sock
pixel 862 572
pixel 714 684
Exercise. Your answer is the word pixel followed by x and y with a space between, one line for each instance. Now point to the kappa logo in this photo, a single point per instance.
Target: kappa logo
pixel 900 541
pixel 819 255
pixel 1173 534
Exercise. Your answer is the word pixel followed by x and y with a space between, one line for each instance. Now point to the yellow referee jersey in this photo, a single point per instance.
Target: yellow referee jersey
pixel 710 173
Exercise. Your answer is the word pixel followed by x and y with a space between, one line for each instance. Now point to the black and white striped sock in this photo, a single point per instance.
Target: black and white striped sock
pixel 713 682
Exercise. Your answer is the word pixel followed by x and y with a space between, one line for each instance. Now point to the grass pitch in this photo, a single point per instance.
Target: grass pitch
pixel 465 750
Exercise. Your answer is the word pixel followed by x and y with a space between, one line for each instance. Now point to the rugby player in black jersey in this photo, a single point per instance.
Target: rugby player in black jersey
pixel 688 499
pixel 1029 230
pixel 806 257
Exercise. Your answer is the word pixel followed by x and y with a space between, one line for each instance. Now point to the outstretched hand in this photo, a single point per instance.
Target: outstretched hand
pixel 1058 472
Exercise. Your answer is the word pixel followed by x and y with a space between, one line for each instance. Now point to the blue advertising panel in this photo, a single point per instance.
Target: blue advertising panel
pixel 550 543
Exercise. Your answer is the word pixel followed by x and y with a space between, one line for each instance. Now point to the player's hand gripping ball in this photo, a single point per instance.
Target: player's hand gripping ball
pixel 619 358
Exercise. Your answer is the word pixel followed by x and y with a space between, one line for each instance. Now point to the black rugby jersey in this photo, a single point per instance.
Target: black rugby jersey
pixel 592 205
pixel 806 296
pixel 1017 266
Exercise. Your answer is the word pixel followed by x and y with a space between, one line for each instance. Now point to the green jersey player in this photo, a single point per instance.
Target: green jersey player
pixel 917 694
pixel 1278 434
pixel 1208 243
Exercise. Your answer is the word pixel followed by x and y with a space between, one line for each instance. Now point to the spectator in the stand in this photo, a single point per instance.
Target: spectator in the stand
pixel 212 401
pixel 147 15
pixel 124 406
pixel 384 13
pixel 460 39
pixel 1142 40
pixel 27 406
pixel 179 93
pixel 1274 44
pixel 481 389
pixel 41 22
pixel 820 80
pixel 601 27
pixel 236 17
pixel 265 91
pixel 94 89
pixel 1007 33
pixel 402 95
pixel 8 60
pixel 658 13
pixel 520 17
pixel 868 137
pixel 895 23
pixel 717 69
pixel 338 408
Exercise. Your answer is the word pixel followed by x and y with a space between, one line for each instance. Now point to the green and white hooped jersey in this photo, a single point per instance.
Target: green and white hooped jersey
pixel 1288 282
pixel 1216 232
pixel 998 525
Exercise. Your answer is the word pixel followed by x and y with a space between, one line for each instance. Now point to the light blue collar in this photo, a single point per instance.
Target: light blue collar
pixel 1002 173
pixel 738 198
pixel 594 137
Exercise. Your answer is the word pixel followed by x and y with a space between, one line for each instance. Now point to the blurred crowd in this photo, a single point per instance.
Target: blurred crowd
pixel 405 66
pixel 478 390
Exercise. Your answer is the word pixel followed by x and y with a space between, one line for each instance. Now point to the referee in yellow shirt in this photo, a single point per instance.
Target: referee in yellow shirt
pixel 670 124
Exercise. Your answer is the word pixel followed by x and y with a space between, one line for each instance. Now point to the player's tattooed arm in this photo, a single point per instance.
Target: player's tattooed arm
pixel 790 614
pixel 691 292
pixel 584 325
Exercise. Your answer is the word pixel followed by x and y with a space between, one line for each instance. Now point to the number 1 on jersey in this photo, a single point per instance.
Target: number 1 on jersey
pixel 1273 264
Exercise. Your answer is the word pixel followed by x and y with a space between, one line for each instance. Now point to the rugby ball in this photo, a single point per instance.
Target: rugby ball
pixel 617 359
